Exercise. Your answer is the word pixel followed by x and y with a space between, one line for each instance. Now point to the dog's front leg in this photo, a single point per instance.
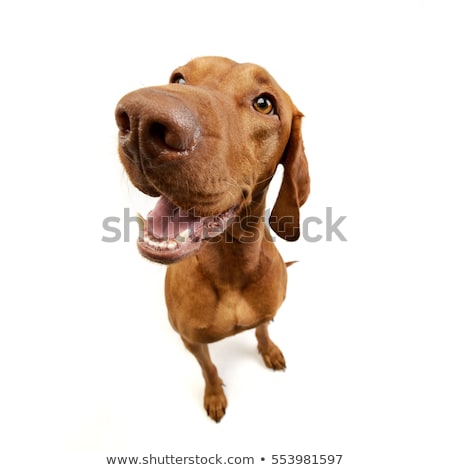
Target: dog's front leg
pixel 215 401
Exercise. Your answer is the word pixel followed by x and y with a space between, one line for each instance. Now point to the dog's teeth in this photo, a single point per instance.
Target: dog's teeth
pixel 183 236
pixel 172 244
pixel 160 244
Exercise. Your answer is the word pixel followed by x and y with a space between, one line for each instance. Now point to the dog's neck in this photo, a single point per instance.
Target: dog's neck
pixel 245 246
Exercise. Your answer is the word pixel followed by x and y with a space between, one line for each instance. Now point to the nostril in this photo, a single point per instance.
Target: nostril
pixel 123 122
pixel 169 136
pixel 157 132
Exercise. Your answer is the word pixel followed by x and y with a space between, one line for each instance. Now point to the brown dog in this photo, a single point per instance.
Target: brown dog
pixel 208 144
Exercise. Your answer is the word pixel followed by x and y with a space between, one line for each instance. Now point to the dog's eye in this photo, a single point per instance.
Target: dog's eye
pixel 264 105
pixel 178 78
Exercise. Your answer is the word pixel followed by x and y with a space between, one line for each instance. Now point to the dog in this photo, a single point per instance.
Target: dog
pixel 208 144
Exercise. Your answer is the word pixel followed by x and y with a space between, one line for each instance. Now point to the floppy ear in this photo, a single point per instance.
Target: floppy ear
pixel 285 217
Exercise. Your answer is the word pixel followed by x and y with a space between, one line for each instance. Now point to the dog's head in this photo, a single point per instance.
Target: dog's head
pixel 208 144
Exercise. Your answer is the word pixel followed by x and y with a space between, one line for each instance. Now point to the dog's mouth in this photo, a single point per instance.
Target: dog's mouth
pixel 171 233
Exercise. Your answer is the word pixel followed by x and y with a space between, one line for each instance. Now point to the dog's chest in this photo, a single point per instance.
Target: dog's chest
pixel 235 312
pixel 205 310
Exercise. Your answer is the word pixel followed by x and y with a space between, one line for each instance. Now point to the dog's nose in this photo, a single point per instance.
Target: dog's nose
pixel 157 125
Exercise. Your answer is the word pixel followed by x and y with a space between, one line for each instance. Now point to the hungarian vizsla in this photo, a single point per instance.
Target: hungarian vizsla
pixel 208 144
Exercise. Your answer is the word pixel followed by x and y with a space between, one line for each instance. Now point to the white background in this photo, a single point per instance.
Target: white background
pixel 89 364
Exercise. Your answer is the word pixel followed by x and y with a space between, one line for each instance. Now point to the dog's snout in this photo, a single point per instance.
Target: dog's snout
pixel 156 125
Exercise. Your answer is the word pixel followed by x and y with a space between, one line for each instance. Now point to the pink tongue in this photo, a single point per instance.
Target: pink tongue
pixel 167 221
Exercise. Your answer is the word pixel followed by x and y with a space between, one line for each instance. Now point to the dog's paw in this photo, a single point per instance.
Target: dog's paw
pixel 272 356
pixel 215 402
